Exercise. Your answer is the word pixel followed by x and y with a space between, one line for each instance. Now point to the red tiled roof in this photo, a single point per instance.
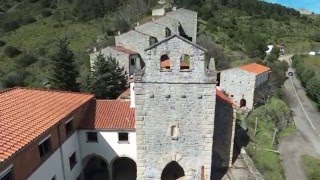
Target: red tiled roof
pixel 26 113
pixel 165 64
pixel 223 97
pixel 124 50
pixel 112 115
pixel 255 68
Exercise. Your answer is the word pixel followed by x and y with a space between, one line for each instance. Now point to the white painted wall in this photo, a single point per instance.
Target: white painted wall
pixel 53 167
pixel 108 146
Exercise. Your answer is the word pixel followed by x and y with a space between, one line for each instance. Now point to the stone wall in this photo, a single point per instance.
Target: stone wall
pixel 185 99
pixel 223 134
pixel 170 23
pixel 188 20
pixel 121 57
pixel 238 84
pixel 133 40
pixel 153 29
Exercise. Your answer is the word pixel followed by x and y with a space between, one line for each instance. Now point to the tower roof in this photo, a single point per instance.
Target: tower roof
pixel 255 68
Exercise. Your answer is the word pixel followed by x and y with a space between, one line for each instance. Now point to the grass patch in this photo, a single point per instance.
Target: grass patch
pixel 311 167
pixel 291 129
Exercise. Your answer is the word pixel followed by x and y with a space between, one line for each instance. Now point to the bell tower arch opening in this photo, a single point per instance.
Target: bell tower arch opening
pixel 172 171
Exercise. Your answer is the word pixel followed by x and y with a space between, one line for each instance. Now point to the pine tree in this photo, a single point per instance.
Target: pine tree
pixel 108 80
pixel 64 73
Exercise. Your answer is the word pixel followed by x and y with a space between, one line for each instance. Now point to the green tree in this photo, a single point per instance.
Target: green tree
pixel 313 87
pixel 107 80
pixel 64 74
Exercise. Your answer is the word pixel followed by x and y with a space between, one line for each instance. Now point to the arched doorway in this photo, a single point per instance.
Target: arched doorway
pixel 124 168
pixel 172 171
pixel 243 103
pixel 96 168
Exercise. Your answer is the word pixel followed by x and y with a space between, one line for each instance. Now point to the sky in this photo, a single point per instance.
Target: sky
pixel 310 5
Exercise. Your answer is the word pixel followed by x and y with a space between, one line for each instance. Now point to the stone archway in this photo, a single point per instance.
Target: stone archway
pixel 96 168
pixel 124 168
pixel 172 171
pixel 243 103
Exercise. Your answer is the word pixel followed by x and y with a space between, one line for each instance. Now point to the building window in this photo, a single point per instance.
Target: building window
pixel 123 137
pixel 92 137
pixel 72 160
pixel 45 147
pixel 165 62
pixel 152 40
pixel 7 175
pixel 69 127
pixel 53 178
pixel 132 62
pixel 185 62
pixel 168 32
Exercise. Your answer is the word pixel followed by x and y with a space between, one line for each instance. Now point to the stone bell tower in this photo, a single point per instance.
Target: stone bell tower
pixel 174 107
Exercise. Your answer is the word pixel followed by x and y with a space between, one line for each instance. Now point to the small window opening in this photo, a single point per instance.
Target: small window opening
pixel 165 62
pixel 231 95
pixel 72 160
pixel 92 137
pixel 53 178
pixel 152 40
pixel 45 148
pixel 132 62
pixel 69 127
pixel 185 62
pixel 174 132
pixel 168 32
pixel 7 176
pixel 123 137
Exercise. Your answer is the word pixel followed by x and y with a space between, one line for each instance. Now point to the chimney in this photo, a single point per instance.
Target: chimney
pixel 94 49
pixel 174 8
pixel 132 98
pixel 152 18
pixel 138 24
pixel 119 33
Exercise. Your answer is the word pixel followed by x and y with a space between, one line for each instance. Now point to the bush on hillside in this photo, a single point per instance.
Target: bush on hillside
pixel 28 19
pixel 33 1
pixel 9 25
pixel 25 60
pixel 316 37
pixel 15 78
pixel 11 51
pixel 46 13
pixel 2 43
pixel 45 3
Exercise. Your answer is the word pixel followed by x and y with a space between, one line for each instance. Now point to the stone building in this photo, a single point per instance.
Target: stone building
pixel 175 111
pixel 125 57
pixel 181 21
pixel 244 85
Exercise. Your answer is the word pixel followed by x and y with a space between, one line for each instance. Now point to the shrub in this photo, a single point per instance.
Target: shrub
pixel 25 60
pixel 46 13
pixel 15 78
pixel 2 43
pixel 9 25
pixel 33 1
pixel 28 20
pixel 45 3
pixel 11 51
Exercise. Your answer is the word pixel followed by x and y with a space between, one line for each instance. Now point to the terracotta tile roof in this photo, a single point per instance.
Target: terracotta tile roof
pixel 27 113
pixel 223 97
pixel 165 64
pixel 110 115
pixel 124 50
pixel 255 68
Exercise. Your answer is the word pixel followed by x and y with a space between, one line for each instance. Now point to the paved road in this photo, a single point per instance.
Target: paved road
pixel 307 120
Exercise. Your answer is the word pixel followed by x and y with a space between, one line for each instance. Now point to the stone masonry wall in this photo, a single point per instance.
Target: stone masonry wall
pixel 223 134
pixel 133 40
pixel 188 20
pixel 153 29
pixel 172 24
pixel 240 84
pixel 121 57
pixel 185 99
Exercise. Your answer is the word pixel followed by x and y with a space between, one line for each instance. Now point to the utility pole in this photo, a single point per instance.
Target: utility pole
pixel 274 136
pixel 255 126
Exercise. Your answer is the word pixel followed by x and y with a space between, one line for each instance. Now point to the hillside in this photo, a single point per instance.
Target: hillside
pixel 237 30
